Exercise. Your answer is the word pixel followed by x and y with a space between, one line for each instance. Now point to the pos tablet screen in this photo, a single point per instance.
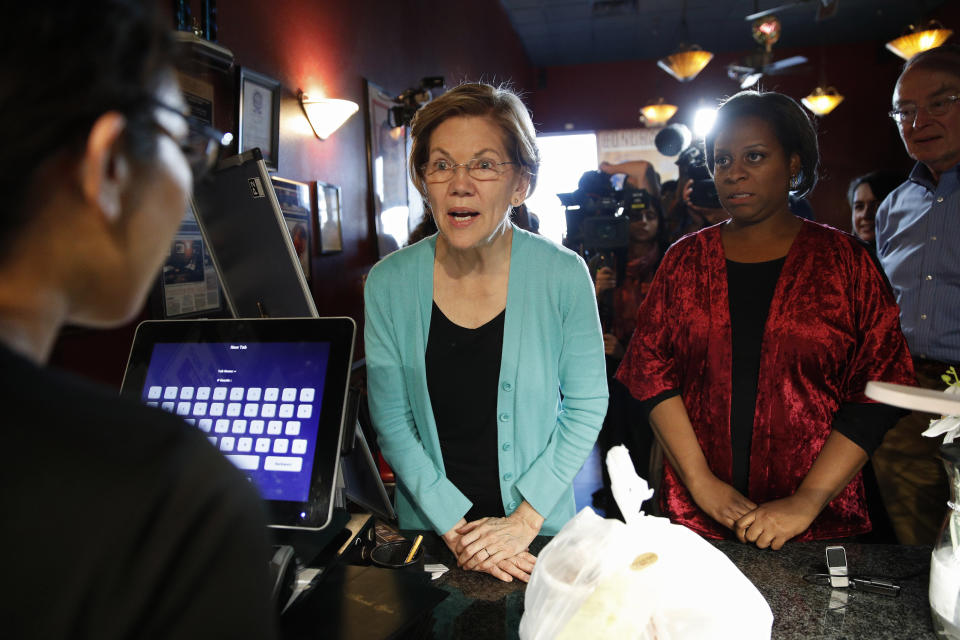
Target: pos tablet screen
pixel 269 394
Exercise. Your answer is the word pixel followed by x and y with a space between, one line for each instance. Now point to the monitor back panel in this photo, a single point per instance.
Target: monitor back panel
pixel 238 211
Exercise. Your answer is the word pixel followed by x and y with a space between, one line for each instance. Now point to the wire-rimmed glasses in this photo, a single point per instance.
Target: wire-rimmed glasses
pixel 937 107
pixel 477 168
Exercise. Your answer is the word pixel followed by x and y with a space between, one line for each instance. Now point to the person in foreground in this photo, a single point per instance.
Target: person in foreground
pixel 119 521
pixel 471 337
pixel 759 337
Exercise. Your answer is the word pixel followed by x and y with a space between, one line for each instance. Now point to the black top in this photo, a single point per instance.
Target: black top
pixel 751 287
pixel 463 372
pixel 121 521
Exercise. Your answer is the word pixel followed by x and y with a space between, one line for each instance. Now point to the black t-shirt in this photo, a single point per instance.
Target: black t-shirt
pixel 463 372
pixel 121 521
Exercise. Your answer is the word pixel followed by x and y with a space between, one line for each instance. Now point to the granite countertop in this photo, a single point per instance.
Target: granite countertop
pixel 480 606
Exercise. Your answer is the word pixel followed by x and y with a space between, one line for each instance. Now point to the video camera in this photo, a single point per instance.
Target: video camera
pixel 676 139
pixel 598 214
pixel 412 99
pixel 598 226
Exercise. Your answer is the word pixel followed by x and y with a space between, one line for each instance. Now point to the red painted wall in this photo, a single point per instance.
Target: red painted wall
pixel 330 47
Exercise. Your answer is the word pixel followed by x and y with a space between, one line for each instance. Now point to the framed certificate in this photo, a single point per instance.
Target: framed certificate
pixel 258 119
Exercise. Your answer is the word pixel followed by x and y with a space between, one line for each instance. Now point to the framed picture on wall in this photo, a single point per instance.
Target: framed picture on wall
pixel 294 199
pixel 189 286
pixel 328 218
pixel 258 117
pixel 387 171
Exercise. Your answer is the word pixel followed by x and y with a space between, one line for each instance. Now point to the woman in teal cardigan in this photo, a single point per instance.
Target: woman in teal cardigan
pixel 484 351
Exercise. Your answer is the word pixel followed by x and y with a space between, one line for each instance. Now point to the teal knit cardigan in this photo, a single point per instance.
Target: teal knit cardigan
pixel 552 393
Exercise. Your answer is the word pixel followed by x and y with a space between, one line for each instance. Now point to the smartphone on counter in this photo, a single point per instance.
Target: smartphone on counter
pixel 837 565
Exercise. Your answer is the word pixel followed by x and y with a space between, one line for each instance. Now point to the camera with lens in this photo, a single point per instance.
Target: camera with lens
pixel 598 214
pixel 692 163
pixel 410 101
pixel 598 225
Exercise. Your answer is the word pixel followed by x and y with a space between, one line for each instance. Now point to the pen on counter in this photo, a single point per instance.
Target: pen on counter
pixel 413 549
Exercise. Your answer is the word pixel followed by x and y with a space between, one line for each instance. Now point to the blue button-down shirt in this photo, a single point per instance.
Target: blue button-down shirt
pixel 918 243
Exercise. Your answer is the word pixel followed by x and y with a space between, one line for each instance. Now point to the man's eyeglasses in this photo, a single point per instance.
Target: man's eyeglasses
pixel 203 143
pixel 938 107
pixel 478 169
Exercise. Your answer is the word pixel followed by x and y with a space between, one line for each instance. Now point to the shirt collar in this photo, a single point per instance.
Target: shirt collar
pixel 921 175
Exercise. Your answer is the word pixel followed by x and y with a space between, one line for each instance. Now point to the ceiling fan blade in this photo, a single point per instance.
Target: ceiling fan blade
pixel 780 65
pixel 737 68
pixel 750 79
pixel 767 12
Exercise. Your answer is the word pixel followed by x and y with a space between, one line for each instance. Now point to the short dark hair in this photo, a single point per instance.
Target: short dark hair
pixel 791 125
pixel 881 183
pixel 500 104
pixel 63 66
pixel 944 58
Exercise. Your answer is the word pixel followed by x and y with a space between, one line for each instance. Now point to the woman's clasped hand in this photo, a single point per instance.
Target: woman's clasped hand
pixel 720 500
pixel 769 524
pixel 773 523
pixel 498 546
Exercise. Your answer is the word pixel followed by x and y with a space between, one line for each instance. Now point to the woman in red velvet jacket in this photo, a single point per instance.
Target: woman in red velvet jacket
pixel 759 335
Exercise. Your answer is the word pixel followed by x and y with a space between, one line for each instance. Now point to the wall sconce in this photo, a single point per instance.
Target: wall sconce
pixel 919 38
pixel 325 115
pixel 822 101
pixel 657 113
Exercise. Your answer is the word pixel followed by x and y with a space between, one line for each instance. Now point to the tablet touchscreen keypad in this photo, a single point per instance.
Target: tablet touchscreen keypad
pixel 259 404
pixel 255 427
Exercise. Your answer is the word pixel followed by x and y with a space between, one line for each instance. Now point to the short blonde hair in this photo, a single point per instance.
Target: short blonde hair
pixel 500 104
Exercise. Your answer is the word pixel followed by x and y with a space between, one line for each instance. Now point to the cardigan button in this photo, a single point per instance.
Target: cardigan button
pixel 507 446
pixel 508 476
pixel 512 507
pixel 506 386
pixel 504 417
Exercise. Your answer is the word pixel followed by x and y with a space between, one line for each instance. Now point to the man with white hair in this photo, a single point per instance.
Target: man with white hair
pixel 918 243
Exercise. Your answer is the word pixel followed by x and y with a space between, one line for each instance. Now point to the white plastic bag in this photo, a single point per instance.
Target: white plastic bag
pixel 648 579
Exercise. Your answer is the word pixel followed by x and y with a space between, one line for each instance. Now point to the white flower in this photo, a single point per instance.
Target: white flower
pixel 945 424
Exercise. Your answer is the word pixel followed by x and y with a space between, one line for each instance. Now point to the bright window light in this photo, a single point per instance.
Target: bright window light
pixel 703 121
pixel 563 159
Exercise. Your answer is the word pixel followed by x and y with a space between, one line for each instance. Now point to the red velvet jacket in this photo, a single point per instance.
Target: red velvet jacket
pixel 833 325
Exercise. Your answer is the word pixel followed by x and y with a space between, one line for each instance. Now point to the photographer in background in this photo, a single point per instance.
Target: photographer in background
pixel 624 252
pixel 694 205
